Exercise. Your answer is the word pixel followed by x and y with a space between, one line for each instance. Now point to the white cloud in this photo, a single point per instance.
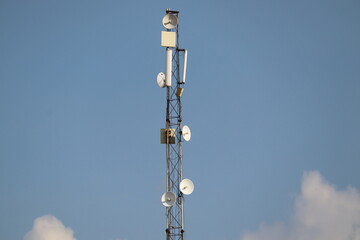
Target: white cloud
pixel 49 228
pixel 321 213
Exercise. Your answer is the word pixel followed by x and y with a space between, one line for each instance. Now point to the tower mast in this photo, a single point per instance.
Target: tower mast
pixel 174 132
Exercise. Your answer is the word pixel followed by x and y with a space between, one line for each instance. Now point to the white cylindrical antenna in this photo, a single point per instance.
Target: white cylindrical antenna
pixel 168 67
pixel 185 63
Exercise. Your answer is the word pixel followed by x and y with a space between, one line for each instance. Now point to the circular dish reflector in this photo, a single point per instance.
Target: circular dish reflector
pixel 168 199
pixel 186 133
pixel 186 186
pixel 161 79
pixel 170 21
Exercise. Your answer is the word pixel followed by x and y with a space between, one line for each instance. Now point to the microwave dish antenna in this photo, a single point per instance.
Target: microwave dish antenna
pixel 161 79
pixel 170 21
pixel 186 186
pixel 168 199
pixel 186 133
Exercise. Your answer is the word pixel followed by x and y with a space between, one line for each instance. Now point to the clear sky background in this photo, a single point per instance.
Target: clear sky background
pixel 272 98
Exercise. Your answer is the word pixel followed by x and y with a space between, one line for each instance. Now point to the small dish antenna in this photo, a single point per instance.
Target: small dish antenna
pixel 186 133
pixel 168 199
pixel 170 21
pixel 161 79
pixel 186 186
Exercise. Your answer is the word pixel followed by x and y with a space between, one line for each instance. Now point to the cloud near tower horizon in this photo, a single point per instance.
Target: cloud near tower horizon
pixel 321 212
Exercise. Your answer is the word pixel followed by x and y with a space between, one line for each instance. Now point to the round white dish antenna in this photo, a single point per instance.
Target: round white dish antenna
pixel 168 199
pixel 186 186
pixel 161 79
pixel 170 21
pixel 186 133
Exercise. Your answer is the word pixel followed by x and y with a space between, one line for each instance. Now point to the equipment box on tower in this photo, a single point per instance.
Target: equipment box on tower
pixel 167 133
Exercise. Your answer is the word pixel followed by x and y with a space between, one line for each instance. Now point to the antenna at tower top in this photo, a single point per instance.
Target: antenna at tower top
pixel 170 21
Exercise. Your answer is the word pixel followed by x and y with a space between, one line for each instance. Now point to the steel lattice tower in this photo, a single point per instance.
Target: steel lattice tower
pixel 173 137
pixel 174 214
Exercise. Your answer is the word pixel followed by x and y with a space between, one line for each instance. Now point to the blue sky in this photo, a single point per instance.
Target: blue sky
pixel 272 92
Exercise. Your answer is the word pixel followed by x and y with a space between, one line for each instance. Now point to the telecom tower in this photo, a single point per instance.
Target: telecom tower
pixel 174 132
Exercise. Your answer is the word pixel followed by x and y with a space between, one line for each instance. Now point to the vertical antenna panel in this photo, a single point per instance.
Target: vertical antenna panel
pixel 185 63
pixel 168 67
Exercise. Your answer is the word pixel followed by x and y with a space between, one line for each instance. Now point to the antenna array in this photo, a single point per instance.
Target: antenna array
pixel 174 132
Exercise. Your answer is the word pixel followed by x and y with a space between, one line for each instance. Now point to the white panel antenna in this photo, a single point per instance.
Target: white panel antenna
pixel 185 64
pixel 168 67
pixel 168 39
